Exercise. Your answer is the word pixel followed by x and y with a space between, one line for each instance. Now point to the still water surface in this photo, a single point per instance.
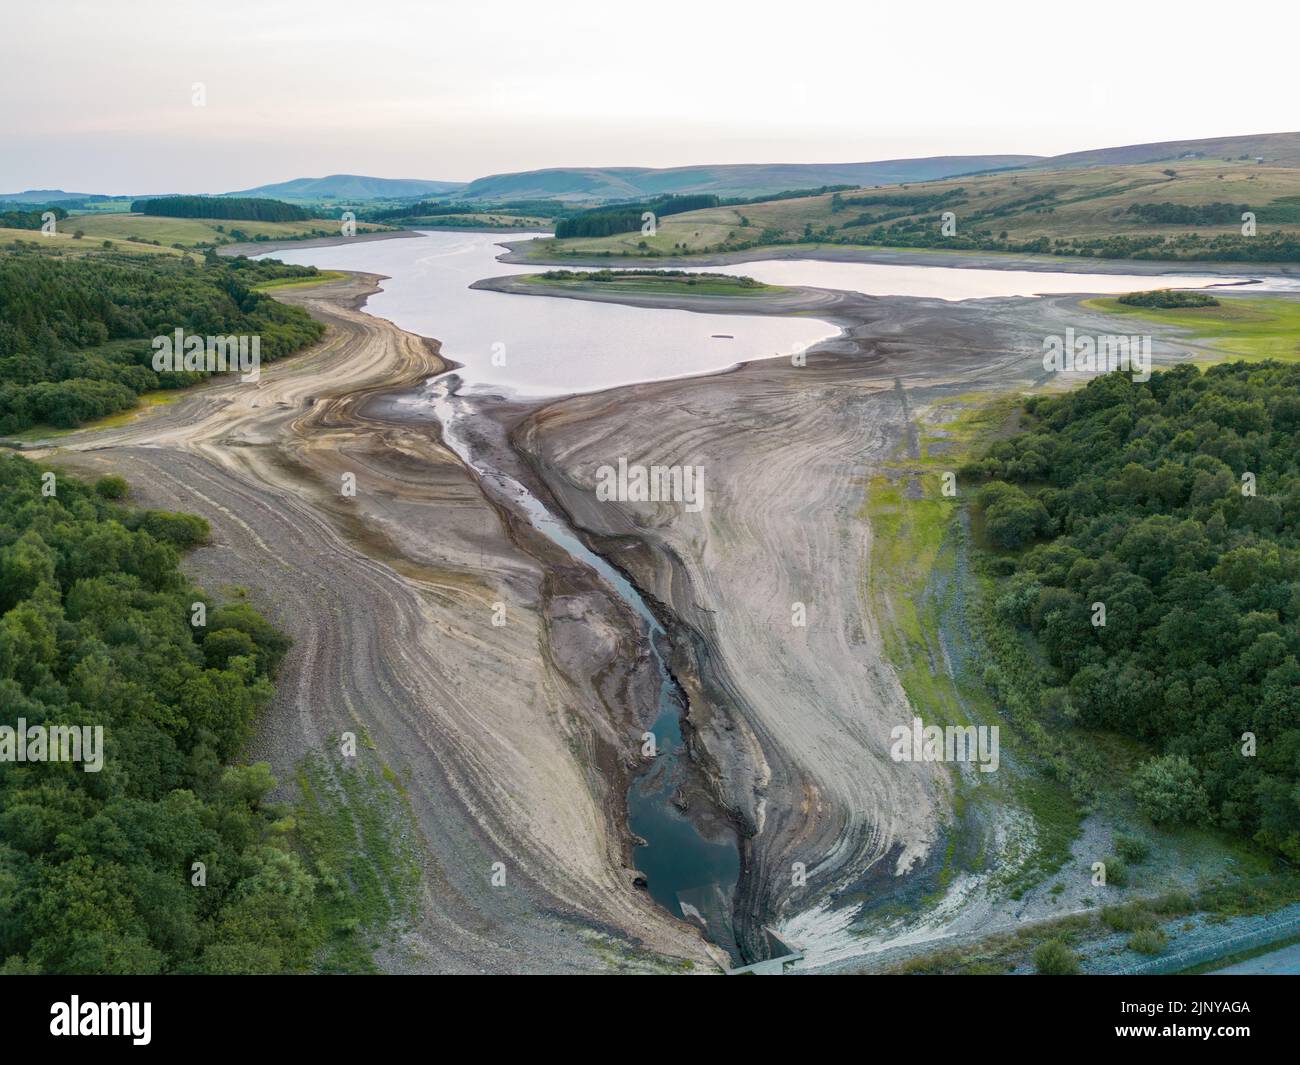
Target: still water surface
pixel 532 346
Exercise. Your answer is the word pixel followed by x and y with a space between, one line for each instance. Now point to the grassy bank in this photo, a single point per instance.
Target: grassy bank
pixel 353 828
pixel 281 283
pixel 1263 328
pixel 927 588
pixel 199 232
pixel 68 243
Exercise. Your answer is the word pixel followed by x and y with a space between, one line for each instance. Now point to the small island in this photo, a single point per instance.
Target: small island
pixel 654 282
pixel 1167 298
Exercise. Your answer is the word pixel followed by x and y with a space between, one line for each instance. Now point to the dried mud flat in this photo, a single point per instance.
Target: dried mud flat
pixel 515 743
pixel 792 722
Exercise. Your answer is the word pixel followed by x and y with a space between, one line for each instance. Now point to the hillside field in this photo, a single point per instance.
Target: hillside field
pixel 1004 210
pixel 193 232
pixel 65 240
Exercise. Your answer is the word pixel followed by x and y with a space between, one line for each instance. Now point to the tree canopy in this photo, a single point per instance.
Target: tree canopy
pixel 1174 505
pixel 75 331
pixel 98 869
pixel 245 208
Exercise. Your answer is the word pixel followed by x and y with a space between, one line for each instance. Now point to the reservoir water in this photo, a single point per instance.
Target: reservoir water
pixel 948 282
pixel 530 346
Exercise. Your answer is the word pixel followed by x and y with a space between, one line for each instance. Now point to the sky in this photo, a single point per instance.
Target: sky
pixel 99 95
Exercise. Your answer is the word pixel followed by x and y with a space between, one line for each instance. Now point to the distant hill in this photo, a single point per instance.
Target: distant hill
pixel 1276 149
pixel 352 187
pixel 47 196
pixel 743 179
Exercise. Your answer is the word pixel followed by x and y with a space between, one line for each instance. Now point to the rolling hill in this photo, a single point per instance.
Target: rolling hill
pixel 47 196
pixel 1185 209
pixel 198 232
pixel 1275 149
pixel 352 187
pixel 741 179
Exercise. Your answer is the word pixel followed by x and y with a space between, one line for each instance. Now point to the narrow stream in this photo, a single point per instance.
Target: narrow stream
pixel 691 876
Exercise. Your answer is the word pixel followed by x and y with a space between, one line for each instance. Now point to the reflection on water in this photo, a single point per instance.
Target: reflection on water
pixel 529 346
pixel 946 282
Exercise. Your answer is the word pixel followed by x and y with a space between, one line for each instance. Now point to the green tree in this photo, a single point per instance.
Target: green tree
pixel 1168 790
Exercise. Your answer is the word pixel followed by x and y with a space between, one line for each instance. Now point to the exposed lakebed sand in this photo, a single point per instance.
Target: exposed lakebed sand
pixel 517 743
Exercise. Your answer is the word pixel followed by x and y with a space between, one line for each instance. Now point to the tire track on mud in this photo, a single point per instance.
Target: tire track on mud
pixel 504 754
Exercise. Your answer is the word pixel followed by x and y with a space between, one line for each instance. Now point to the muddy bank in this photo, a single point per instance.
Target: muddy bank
pixel 791 722
pixel 510 741
pixel 263 247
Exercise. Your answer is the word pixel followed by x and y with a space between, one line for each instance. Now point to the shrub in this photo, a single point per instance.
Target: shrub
pixel 1168 790
pixel 1148 941
pixel 1173 904
pixel 1168 298
pixel 1127 918
pixel 1132 849
pixel 111 487
pixel 180 530
pixel 1116 871
pixel 1054 958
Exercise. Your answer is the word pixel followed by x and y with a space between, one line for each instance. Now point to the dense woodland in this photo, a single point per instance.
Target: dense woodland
pixel 785 194
pixel 14 216
pixel 75 332
pixel 246 208
pixel 1168 299
pixel 423 209
pixel 97 869
pixel 1176 505
pixel 626 217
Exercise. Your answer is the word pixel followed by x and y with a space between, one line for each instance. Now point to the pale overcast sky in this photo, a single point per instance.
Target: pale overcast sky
pixel 95 95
